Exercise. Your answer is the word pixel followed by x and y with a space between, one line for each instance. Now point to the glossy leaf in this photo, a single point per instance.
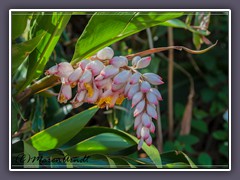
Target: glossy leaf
pixel 177 157
pixel 89 132
pixel 60 133
pixel 22 50
pixel 53 25
pixel 115 26
pixel 19 23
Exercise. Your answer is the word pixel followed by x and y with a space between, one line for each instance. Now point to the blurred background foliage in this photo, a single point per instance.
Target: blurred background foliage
pixel 207 142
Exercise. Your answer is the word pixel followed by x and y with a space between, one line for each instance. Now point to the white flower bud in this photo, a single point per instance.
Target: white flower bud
pixel 152 128
pixel 136 98
pixel 144 62
pixel 145 133
pixel 146 120
pixel 153 78
pixel 83 63
pixel 132 91
pixel 75 76
pixel 86 77
pixel 135 78
pixel 109 71
pixel 151 111
pixel 139 108
pixel 95 66
pixel 137 121
pixel 149 141
pixel 145 87
pixel 105 53
pixel 157 93
pixel 152 98
pixel 140 144
pixel 135 60
pixel 122 77
pixel 119 61
pixel 65 93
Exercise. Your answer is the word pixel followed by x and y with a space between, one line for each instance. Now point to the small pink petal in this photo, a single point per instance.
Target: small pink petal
pixel 151 111
pixel 146 120
pixel 145 87
pixel 153 78
pixel 105 53
pixel 152 98
pixel 135 78
pixel 122 77
pixel 136 98
pixel 139 108
pixel 75 76
pixel 149 141
pixel 119 61
pixel 137 121
pixel 152 128
pixel 144 62
pixel 86 77
pixel 52 70
pixel 138 132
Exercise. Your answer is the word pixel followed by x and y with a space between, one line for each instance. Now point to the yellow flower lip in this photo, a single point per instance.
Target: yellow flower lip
pixel 89 88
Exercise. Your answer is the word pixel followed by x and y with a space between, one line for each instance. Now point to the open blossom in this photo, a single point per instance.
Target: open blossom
pixel 106 80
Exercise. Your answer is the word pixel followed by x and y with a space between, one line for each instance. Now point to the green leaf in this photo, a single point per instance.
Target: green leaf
pixel 22 50
pixel 205 160
pixel 176 157
pixel 53 25
pixel 220 135
pixel 89 132
pixel 60 133
pixel 31 156
pixel 19 23
pixel 200 125
pixel 115 26
pixel 188 139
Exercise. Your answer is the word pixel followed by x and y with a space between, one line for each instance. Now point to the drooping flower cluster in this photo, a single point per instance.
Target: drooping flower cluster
pixel 106 80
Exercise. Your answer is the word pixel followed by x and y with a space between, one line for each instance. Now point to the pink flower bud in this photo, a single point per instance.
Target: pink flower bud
pixel 99 77
pixel 84 63
pixel 105 53
pixel 52 70
pixel 139 108
pixel 153 78
pixel 149 141
pixel 135 60
pixel 86 77
pixel 102 83
pixel 95 66
pixel 119 61
pixel 126 89
pixel 152 128
pixel 140 144
pixel 145 86
pixel 146 120
pixel 132 91
pixel 75 76
pixel 81 95
pixel 135 78
pixel 122 77
pixel 137 121
pixel 156 93
pixel 136 98
pixel 145 133
pixel 144 62
pixel 65 93
pixel 138 132
pixel 109 71
pixel 64 69
pixel 152 98
pixel 151 111
pixel 117 87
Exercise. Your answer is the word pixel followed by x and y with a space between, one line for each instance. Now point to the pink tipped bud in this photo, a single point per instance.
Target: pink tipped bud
pixel 152 98
pixel 122 77
pixel 156 93
pixel 117 87
pixel 84 63
pixel 135 78
pixel 86 77
pixel 136 98
pixel 144 62
pixel 95 66
pixel 137 121
pixel 109 71
pixel 126 89
pixel 65 93
pixel 145 87
pixel 135 60
pixel 105 53
pixel 81 95
pixel 138 132
pixel 132 91
pixel 140 144
pixel 52 70
pixel 139 108
pixel 75 76
pixel 64 69
pixel 99 78
pixel 152 128
pixel 101 83
pixel 145 133
pixel 146 120
pixel 149 141
pixel 151 111
pixel 153 78
pixel 119 61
